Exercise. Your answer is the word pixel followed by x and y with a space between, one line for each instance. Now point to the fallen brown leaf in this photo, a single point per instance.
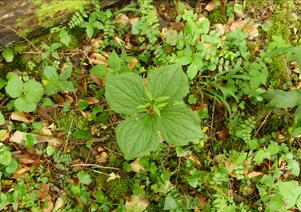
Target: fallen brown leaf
pixel 22 117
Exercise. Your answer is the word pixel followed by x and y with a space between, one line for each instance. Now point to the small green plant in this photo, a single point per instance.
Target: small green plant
pixel 26 94
pixel 55 82
pixel 287 99
pixel 8 55
pixel 156 111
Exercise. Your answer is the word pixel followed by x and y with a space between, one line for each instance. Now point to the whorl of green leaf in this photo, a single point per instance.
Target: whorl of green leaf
pixel 143 130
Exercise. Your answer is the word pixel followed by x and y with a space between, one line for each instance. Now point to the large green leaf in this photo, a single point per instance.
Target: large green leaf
pixel 138 135
pixel 290 191
pixel 14 87
pixel 33 91
pixel 283 99
pixel 168 81
pixel 179 125
pixel 125 92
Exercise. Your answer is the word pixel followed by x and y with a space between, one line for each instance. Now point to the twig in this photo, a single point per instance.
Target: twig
pixel 17 33
pixel 68 135
pixel 264 121
pixel 99 172
pixel 95 166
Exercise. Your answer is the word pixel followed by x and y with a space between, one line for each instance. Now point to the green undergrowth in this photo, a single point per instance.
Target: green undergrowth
pixel 154 108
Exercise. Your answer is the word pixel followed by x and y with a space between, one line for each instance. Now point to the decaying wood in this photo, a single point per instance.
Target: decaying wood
pixel 21 19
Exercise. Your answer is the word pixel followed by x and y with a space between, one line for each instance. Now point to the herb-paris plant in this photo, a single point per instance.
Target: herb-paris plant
pixel 155 111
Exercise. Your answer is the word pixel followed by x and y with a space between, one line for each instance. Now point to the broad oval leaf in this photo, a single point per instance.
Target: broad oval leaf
pixel 179 125
pixel 33 91
pixel 138 135
pixel 168 81
pixel 125 92
pixel 14 87
pixel 283 99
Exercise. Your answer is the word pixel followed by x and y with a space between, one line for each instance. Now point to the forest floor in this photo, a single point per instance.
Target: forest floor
pixel 59 110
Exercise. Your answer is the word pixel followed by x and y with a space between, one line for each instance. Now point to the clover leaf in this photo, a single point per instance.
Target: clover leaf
pixel 155 111
pixel 26 94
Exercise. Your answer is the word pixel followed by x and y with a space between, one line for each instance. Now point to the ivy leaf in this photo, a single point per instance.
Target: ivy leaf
pixel 125 92
pixel 14 87
pixel 168 81
pixel 179 125
pixel 8 55
pixel 137 136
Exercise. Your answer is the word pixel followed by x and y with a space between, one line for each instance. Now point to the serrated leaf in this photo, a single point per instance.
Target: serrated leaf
pixel 14 87
pixel 179 125
pixel 50 73
pixel 66 73
pixel 168 81
pixel 283 99
pixel 125 93
pixel 137 136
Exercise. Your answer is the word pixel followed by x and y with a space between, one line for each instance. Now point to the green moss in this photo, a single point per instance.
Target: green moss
pixel 117 189
pixel 52 10
pixel 278 74
pixel 114 189
pixel 218 15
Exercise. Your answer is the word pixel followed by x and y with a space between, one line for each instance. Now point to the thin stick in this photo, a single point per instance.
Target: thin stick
pixel 264 121
pixel 68 135
pixel 95 166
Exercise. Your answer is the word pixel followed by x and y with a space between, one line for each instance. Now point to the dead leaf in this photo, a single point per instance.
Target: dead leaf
pixel 102 158
pixel 252 30
pixel 230 166
pixel 96 58
pixel 24 158
pixel 19 173
pixel 91 100
pixel 220 28
pixel 48 206
pixel 133 63
pixel 113 176
pixel 44 190
pixel 137 203
pixel 22 117
pixel 136 167
pixel 223 134
pixel 254 174
pixel 18 137
pixel 237 24
pixel 59 204
pixel 210 6
pixel 122 19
